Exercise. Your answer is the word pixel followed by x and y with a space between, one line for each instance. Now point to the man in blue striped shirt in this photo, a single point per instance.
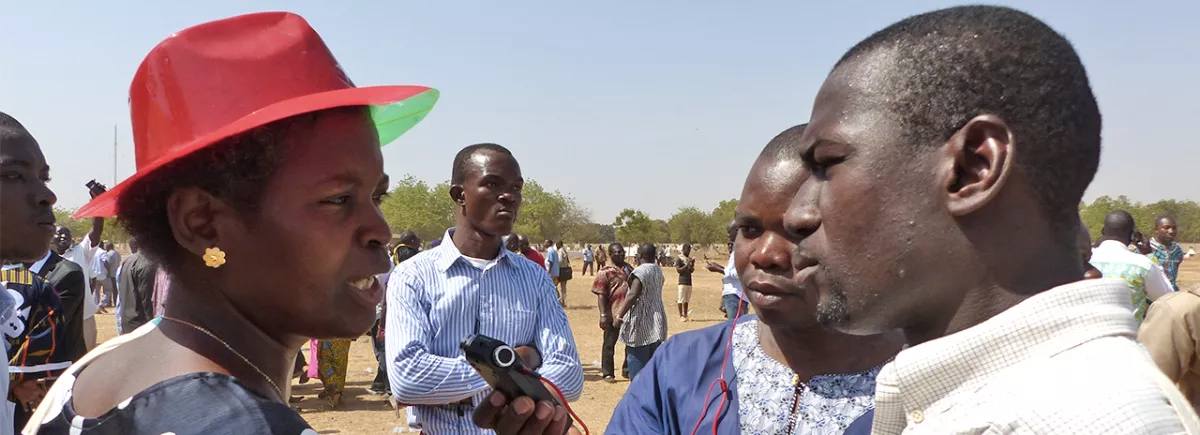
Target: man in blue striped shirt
pixel 469 285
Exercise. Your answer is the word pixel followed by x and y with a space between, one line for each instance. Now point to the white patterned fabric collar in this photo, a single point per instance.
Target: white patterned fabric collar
pixel 767 396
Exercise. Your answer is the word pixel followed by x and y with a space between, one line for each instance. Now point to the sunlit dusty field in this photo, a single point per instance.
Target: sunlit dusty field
pixel 362 413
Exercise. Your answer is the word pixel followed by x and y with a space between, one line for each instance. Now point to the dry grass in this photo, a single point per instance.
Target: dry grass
pixel 362 413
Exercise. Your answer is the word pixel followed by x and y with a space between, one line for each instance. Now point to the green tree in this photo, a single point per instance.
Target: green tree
pixel 113 230
pixel 634 226
pixel 724 212
pixel 690 225
pixel 1186 214
pixel 549 215
pixel 414 205
pixel 591 232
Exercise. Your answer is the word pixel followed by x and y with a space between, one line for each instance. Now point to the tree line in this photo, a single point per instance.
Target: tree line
pixel 427 210
pixel 1186 214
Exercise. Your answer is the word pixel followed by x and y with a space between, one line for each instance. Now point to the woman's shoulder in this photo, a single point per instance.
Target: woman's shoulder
pixel 196 403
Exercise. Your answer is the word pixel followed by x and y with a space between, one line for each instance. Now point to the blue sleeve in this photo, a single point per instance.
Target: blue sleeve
pixel 668 396
pixel 862 424
pixel 640 410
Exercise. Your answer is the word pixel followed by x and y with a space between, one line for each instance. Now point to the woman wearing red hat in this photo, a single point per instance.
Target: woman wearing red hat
pixel 258 187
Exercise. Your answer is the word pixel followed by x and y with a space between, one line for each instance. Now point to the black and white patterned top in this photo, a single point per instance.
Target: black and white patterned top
pixel 646 322
pixel 767 396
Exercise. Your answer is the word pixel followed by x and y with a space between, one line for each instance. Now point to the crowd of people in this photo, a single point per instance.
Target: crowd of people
pixel 913 257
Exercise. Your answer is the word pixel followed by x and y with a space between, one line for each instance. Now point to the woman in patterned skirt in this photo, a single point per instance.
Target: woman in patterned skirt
pixel 333 361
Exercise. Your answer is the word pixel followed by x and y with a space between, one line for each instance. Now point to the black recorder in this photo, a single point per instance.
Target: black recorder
pixel 500 366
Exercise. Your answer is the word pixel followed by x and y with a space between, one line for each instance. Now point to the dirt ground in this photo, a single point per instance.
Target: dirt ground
pixel 362 413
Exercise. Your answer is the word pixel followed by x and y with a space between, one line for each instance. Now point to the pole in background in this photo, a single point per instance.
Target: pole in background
pixel 114 182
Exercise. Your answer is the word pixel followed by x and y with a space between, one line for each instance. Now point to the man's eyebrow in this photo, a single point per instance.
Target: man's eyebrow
pixel 16 162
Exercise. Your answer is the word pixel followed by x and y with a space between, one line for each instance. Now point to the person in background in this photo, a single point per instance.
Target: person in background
pixel 409 239
pixel 135 290
pixel 162 287
pixel 471 285
pixel 330 363
pixel 530 253
pixel 1114 260
pixel 565 272
pixel 601 258
pixel 589 261
pixel 112 259
pixel 642 318
pixel 1084 243
pixel 685 265
pixel 733 299
pixel 610 287
pixel 100 277
pixel 1139 245
pixel 553 263
pixel 81 253
pixel 1171 334
pixel 380 385
pixel 1166 252
pixel 30 311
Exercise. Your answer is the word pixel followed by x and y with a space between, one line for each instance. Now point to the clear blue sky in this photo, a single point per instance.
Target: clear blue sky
pixel 691 90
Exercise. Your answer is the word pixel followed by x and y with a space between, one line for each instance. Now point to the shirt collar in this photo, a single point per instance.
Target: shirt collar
pixel 38 265
pixel 1159 246
pixel 1112 244
pixel 1043 325
pixel 446 254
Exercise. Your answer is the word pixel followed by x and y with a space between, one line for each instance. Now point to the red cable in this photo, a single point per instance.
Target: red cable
pixel 563 396
pixel 721 380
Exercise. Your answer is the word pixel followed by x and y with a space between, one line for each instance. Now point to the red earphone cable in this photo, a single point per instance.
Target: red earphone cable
pixel 721 380
pixel 563 396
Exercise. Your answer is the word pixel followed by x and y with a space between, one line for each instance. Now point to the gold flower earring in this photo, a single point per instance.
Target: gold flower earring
pixel 214 257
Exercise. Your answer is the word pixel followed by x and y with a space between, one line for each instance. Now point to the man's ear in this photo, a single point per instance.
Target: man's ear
pixel 977 162
pixel 198 219
pixel 457 194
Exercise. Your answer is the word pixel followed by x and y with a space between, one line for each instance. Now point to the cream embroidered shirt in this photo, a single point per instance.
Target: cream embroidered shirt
pixel 1065 361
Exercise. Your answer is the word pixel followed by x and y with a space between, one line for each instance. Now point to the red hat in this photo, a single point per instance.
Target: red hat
pixel 226 77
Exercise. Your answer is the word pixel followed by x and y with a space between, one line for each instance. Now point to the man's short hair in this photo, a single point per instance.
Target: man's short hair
pixel 1118 224
pixel 458 174
pixel 647 251
pixel 954 64
pixel 785 144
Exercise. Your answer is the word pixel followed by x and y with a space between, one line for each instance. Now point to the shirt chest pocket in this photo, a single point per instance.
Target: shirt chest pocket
pixel 513 321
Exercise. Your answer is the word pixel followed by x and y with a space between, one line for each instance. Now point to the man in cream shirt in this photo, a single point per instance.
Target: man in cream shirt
pixel 948 154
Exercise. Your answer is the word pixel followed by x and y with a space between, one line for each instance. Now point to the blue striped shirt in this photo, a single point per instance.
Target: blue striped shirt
pixel 438 298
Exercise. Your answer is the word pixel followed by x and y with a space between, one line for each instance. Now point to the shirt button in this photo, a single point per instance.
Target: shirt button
pixel 916 416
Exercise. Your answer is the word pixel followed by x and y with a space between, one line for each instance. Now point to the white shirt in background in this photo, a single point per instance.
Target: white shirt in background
pixel 99 269
pixel 83 254
pixel 730 283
